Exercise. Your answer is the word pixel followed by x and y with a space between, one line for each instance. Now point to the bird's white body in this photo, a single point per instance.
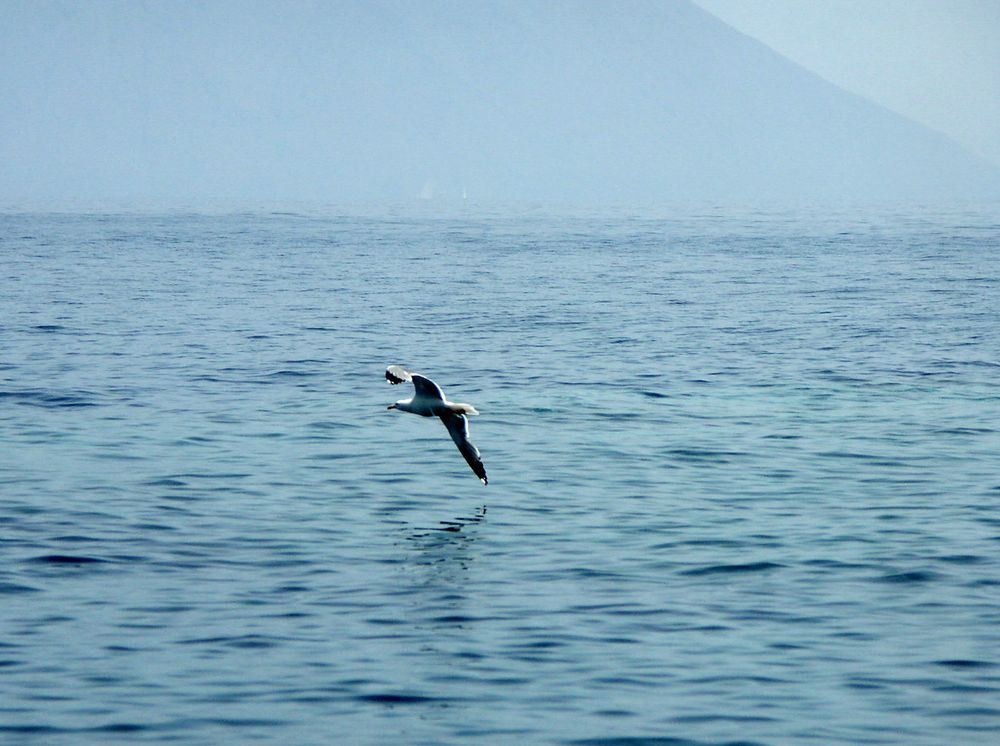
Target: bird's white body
pixel 427 406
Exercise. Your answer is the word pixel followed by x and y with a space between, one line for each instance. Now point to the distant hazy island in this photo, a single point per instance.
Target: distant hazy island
pixel 638 101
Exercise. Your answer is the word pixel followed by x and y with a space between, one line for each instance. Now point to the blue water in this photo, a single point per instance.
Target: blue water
pixel 744 478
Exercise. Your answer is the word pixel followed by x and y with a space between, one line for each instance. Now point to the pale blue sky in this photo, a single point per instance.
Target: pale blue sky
pixel 935 61
pixel 166 103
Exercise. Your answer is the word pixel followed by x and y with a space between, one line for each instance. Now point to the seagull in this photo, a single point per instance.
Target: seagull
pixel 428 401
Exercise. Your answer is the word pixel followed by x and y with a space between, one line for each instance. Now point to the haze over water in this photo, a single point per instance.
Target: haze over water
pixel 743 477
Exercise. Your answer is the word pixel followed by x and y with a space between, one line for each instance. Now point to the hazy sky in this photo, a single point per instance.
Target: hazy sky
pixel 183 102
pixel 935 61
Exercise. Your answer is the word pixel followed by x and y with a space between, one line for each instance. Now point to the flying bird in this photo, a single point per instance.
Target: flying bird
pixel 428 401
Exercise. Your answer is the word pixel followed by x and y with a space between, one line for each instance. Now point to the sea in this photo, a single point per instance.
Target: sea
pixel 744 476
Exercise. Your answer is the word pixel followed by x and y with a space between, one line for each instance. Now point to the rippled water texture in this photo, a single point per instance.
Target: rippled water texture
pixel 743 470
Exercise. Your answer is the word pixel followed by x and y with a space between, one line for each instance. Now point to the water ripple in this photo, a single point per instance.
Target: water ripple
pixel 743 478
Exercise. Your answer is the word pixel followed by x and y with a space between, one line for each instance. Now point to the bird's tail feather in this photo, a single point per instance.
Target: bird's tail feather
pixel 459 408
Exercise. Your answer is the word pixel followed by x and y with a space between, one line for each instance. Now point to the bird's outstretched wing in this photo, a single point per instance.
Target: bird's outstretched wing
pixel 424 387
pixel 397 374
pixel 458 427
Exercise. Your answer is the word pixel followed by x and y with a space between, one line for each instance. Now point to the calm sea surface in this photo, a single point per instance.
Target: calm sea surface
pixel 744 478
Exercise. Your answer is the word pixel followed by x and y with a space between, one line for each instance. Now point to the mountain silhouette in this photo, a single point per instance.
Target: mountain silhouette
pixel 637 100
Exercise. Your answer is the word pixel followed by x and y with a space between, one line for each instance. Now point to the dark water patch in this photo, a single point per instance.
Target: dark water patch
pixel 290 615
pixel 388 622
pixel 724 718
pixel 51 399
pixel 153 527
pixel 165 482
pixel 120 728
pixel 333 425
pixel 76 539
pixel 538 645
pixel 472 734
pixel 400 699
pixel 195 440
pixel 837 564
pixel 208 475
pixel 732 569
pixel 964 664
pixel 978 363
pixel 626 681
pixel 12 588
pixel 865 683
pixel 912 576
pixel 292 374
pixel 616 416
pixel 957 688
pixel 447 527
pixel 127 558
pixel 180 498
pixel 48 328
pixel 329 456
pixel 873 459
pixel 637 611
pixel 654 741
pixel 31 729
pixel 66 559
pixel 720 542
pixel 962 559
pixel 987 712
pixel 292 588
pixel 703 454
pixel 243 642
pixel 965 431
pixel 118 456
pixel 829 375
pixel 166 609
pixel 123 728
pixel 748 678
pixel 593 572
pixel 206 378
pixel 56 619
pixel 459 619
